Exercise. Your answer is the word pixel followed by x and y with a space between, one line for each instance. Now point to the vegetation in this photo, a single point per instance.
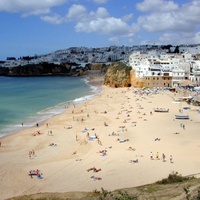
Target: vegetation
pixel 174 177
pixel 119 66
pixel 121 195
pixel 188 189
pixel 197 197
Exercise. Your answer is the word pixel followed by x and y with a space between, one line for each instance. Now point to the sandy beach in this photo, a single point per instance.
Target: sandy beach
pixel 105 142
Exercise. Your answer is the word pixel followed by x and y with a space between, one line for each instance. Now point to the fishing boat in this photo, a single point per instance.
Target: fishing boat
pixel 182 116
pixel 161 110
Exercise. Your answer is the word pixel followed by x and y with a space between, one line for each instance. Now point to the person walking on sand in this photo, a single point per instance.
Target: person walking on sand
pixel 29 153
pixel 171 159
pixel 163 157
pixel 157 156
pixel 33 152
pixel 151 156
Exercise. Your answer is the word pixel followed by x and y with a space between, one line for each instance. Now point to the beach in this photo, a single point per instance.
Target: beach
pixel 106 142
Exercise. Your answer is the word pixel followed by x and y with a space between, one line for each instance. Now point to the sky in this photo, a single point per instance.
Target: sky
pixel 36 27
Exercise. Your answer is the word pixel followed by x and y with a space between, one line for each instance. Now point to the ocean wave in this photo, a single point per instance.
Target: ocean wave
pixel 32 118
pixel 83 99
pixel 94 89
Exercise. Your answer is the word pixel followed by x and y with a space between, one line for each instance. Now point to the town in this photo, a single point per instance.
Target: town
pixel 159 65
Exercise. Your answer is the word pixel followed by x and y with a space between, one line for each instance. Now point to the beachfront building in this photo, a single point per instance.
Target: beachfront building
pixel 195 72
pixel 142 70
pixel 164 81
pixel 180 66
pixel 178 75
pixel 155 72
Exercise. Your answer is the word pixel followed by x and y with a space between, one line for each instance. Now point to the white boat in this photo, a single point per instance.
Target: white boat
pixel 161 110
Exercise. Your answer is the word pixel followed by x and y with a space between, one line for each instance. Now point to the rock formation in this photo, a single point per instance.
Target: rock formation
pixel 43 69
pixel 120 75
pixel 135 81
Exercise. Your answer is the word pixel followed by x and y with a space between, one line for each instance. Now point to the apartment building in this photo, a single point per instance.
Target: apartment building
pixel 158 81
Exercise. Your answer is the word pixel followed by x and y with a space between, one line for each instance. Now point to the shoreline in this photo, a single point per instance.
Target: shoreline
pixel 121 119
pixel 57 109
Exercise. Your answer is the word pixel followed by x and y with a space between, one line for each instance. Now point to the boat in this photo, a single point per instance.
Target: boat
pixel 161 110
pixel 182 116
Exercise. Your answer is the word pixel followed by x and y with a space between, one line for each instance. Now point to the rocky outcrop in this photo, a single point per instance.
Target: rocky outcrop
pixel 4 71
pixel 96 66
pixel 120 75
pixel 135 81
pixel 43 69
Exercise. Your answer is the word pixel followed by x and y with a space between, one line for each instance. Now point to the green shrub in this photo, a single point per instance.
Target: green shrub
pixel 121 66
pixel 122 195
pixel 174 177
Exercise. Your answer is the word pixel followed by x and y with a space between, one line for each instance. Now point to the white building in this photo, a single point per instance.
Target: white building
pixel 178 75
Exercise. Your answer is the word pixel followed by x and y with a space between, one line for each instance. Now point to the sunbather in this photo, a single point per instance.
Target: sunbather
pixel 131 149
pixel 95 178
pixel 134 161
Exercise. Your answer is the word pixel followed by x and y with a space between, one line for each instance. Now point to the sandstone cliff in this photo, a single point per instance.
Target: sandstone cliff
pixel 136 82
pixel 120 75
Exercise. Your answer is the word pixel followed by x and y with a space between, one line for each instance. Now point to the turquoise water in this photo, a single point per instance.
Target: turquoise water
pixel 30 100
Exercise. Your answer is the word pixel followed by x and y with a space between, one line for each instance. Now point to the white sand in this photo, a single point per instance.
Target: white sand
pixel 63 172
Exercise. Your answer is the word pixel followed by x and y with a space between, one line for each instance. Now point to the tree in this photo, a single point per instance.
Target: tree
pixel 176 50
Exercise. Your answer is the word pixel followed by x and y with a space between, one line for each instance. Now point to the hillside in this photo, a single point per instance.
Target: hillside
pixel 181 189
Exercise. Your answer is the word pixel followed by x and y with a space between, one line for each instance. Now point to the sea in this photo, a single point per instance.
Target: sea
pixel 26 101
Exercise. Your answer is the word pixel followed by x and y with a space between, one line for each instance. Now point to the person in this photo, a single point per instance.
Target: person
pixel 163 156
pixel 131 148
pixel 157 155
pixel 134 161
pixel 94 178
pixel 0 143
pixel 171 159
pixel 151 156
pixel 30 153
pixel 74 153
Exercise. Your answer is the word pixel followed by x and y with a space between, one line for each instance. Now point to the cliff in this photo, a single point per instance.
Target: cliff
pixel 120 75
pixel 135 81
pixel 43 69
pixel 116 75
